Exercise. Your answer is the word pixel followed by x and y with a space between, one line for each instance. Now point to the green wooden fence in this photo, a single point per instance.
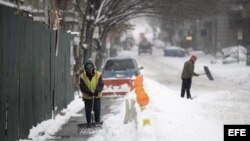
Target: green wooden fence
pixel 33 80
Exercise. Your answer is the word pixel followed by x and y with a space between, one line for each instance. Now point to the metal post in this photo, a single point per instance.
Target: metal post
pixel 46 10
pixel 238 53
pixel 6 120
pixel 240 38
pixel 248 56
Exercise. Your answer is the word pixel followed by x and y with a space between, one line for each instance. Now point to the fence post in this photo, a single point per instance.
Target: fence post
pixel 130 112
pixel 248 56
pixel 6 120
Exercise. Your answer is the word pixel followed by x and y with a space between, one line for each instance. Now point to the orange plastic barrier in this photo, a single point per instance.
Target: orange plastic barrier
pixel 141 96
pixel 142 99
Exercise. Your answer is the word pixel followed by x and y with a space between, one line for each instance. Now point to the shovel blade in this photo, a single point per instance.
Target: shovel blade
pixel 208 73
pixel 88 128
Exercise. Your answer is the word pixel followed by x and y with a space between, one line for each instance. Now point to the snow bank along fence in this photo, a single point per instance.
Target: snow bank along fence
pixel 142 100
pixel 34 79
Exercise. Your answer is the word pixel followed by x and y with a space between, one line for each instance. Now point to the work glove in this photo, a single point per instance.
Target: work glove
pixel 95 93
pixel 91 94
pixel 195 74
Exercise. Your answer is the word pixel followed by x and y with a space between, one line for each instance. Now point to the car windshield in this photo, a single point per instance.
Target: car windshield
pixel 119 65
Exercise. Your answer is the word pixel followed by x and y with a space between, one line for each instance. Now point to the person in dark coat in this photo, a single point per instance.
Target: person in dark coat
pixel 186 76
pixel 91 86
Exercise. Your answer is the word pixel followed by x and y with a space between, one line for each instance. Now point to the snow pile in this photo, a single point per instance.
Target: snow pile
pixel 159 44
pixel 46 129
pixel 171 118
pixel 232 54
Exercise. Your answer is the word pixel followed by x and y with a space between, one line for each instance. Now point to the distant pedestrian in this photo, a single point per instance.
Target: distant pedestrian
pixel 186 76
pixel 91 86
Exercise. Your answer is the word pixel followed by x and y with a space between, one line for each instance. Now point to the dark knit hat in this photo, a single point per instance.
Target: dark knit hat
pixel 89 65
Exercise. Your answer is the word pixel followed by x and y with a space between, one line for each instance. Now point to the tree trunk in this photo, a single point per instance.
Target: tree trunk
pixel 89 41
pixel 101 51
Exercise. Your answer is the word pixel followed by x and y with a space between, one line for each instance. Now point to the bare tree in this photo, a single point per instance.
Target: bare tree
pixel 105 15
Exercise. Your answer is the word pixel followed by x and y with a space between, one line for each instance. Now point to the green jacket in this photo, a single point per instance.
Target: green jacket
pixel 188 70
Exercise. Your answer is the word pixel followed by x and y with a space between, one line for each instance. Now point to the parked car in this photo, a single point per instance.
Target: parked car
pixel 174 51
pixel 128 43
pixel 145 47
pixel 118 75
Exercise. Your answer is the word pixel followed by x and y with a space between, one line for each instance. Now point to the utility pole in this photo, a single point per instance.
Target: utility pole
pixel 239 37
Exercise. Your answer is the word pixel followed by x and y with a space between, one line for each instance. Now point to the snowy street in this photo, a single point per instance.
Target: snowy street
pixel 226 100
pixel 222 101
pixel 124 70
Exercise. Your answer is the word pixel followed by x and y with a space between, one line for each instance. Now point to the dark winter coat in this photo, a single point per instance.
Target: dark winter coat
pixel 188 70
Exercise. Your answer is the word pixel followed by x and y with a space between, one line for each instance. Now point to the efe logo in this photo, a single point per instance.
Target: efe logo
pixel 236 132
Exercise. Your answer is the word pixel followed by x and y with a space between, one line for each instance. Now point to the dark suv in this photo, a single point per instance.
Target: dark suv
pixel 145 47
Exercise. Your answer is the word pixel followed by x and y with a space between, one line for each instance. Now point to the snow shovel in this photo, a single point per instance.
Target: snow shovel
pixel 89 128
pixel 208 73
